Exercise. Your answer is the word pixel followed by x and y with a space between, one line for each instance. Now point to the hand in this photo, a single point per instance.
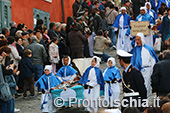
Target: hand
pixel 18 72
pixel 16 88
pixel 116 32
pixel 149 26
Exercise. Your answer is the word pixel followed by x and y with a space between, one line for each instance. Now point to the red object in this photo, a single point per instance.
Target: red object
pixel 22 10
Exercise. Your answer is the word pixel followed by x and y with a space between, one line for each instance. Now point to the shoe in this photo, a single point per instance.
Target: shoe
pixel 25 97
pixel 16 110
pixel 114 47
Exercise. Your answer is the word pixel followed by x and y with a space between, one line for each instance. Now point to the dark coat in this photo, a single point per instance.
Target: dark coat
pixel 52 34
pixel 160 79
pixel 97 22
pixel 135 80
pixel 26 68
pixel 76 40
pixel 165 27
pixel 13 31
pixel 20 49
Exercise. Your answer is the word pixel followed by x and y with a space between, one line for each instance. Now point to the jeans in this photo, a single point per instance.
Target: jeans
pixel 38 73
pixel 103 56
pixel 7 106
pixel 112 35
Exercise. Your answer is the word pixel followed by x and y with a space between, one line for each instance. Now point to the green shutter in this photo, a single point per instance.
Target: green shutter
pixel 5 11
pixel 39 14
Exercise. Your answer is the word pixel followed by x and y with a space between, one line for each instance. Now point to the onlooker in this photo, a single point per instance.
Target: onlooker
pixel 13 29
pixel 39 56
pixel 51 31
pixel 153 110
pixel 100 44
pixel 25 37
pixel 22 27
pixel 5 32
pixel 19 46
pixel 14 52
pixel 76 7
pixel 160 78
pixel 131 110
pixel 76 42
pixel 54 54
pixel 102 4
pixel 27 71
pixel 39 25
pixel 166 108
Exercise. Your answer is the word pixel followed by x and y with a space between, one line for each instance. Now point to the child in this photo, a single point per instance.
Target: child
pixel 66 73
pixel 111 77
pixel 47 82
pixel 54 54
pixel 93 82
pixel 27 70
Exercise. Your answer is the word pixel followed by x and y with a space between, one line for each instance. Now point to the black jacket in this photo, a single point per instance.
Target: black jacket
pixel 52 34
pixel 76 6
pixel 26 68
pixel 160 79
pixel 20 49
pixel 13 31
pixel 134 80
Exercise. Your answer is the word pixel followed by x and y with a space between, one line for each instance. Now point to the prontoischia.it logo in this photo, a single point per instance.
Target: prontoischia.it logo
pixel 60 102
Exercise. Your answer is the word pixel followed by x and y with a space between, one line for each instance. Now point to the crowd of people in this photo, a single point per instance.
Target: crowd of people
pixel 45 55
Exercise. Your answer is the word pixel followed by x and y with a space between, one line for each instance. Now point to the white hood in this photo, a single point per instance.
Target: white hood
pixel 69 61
pixel 113 61
pixel 48 67
pixel 148 4
pixel 142 38
pixel 98 61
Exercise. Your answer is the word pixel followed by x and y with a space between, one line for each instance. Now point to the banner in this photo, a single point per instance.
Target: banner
pixel 140 27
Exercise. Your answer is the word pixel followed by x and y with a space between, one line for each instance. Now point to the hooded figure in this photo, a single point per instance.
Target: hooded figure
pixel 66 73
pixel 122 23
pixel 144 58
pixel 144 16
pixel 151 11
pixel 112 78
pixel 47 83
pixel 93 82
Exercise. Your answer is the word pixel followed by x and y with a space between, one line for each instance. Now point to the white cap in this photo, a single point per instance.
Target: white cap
pixel 48 67
pixel 142 37
pixel 122 8
pixel 144 9
pixel 123 53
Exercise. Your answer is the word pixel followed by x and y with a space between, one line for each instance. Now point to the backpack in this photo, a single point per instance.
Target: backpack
pixel 5 93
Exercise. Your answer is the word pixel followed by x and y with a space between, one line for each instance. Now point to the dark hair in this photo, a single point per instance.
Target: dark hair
pixel 153 110
pixel 5 49
pixel 52 24
pixel 54 39
pixel 163 101
pixel 39 22
pixel 95 59
pixel 5 30
pixel 125 59
pixel 131 110
pixel 18 39
pixel 10 39
pixel 168 10
pixel 3 42
pixel 163 4
pixel 166 53
pixel 20 26
pixel 100 32
pixel 27 52
pixel 102 14
pixel 44 28
pixel 96 2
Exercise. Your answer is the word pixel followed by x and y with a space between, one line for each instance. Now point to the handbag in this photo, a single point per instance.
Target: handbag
pixel 5 93
pixel 157 45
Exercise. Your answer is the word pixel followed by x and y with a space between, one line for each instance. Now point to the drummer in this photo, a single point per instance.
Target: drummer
pixel 66 73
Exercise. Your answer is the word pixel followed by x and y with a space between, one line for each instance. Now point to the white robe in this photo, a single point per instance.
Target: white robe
pixel 94 92
pixel 147 61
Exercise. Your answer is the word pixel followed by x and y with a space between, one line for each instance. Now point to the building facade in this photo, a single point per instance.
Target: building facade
pixel 28 11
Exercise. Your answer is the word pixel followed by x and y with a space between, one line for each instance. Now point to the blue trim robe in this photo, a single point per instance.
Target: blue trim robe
pixel 167 2
pixel 122 23
pixel 144 58
pixel 153 14
pixel 66 73
pixel 111 90
pixel 47 82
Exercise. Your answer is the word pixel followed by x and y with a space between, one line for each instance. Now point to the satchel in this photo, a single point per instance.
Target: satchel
pixel 5 93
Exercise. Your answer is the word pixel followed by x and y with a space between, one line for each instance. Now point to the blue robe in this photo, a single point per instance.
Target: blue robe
pixel 111 73
pixel 136 59
pixel 69 71
pixel 43 81
pixel 126 21
pixel 99 76
pixel 153 3
pixel 154 14
pixel 146 17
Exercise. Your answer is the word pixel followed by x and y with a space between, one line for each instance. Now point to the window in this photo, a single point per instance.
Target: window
pixel 39 14
pixel 5 11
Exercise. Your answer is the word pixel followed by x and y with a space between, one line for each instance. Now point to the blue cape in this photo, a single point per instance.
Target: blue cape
pixel 99 76
pixel 69 71
pixel 160 1
pixel 154 14
pixel 43 81
pixel 111 73
pixel 146 17
pixel 153 3
pixel 136 59
pixel 126 21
